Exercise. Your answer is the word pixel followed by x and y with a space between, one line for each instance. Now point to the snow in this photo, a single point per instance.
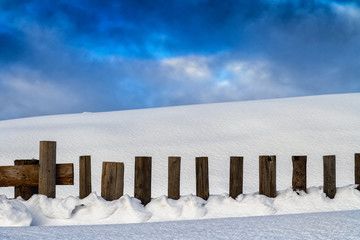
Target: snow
pixel 13 213
pixel 42 211
pixel 312 126
pixel 330 225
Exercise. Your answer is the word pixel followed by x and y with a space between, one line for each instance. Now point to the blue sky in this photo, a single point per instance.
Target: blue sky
pixel 88 56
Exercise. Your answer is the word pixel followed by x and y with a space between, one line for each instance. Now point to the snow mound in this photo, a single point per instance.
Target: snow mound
pixel 13 213
pixel 42 211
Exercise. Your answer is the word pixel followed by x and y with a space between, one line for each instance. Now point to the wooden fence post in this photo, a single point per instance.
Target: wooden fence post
pixel 202 178
pixel 142 190
pixel 112 180
pixel 236 176
pixel 84 176
pixel 26 191
pixel 267 176
pixel 299 173
pixel 329 176
pixel 47 169
pixel 174 164
pixel 357 170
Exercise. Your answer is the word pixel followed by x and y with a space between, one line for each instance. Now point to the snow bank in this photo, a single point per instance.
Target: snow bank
pixel 42 211
pixel 13 213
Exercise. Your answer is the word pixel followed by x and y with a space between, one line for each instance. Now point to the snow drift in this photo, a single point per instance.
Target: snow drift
pixel 42 211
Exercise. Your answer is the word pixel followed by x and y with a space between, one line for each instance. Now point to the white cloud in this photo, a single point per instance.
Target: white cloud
pixel 193 67
pixel 348 11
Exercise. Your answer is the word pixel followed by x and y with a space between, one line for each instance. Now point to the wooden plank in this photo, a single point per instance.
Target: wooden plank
pixel 299 173
pixel 174 177
pixel 142 186
pixel 25 175
pixel 112 180
pixel 329 176
pixel 267 176
pixel 236 176
pixel 65 174
pixel 357 170
pixel 84 176
pixel 26 192
pixel 47 169
pixel 28 175
pixel 202 177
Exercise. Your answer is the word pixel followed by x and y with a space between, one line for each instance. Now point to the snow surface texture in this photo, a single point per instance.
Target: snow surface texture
pixel 41 211
pixel 312 126
pixel 331 225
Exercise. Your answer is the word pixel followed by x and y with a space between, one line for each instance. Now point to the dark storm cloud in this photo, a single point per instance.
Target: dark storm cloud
pixel 73 56
pixel 11 48
pixel 139 27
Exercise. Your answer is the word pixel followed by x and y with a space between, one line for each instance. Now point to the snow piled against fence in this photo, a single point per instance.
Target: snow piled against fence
pixel 42 211
pixel 312 126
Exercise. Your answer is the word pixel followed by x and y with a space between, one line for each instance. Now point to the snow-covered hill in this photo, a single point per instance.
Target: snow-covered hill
pixel 312 126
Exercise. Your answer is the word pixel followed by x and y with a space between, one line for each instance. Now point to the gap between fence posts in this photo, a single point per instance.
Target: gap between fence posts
pixel 202 177
pixel 329 175
pixel 299 173
pixel 26 191
pixel 267 175
pixel 236 176
pixel 142 185
pixel 84 176
pixel 47 169
pixel 174 164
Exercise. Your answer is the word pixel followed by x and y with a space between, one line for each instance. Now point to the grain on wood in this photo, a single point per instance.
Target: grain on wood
pixel 329 176
pixel 357 170
pixel 47 169
pixel 26 191
pixel 174 164
pixel 299 173
pixel 28 175
pixel 236 176
pixel 202 177
pixel 84 176
pixel 65 174
pixel 267 176
pixel 112 180
pixel 142 185
pixel 22 175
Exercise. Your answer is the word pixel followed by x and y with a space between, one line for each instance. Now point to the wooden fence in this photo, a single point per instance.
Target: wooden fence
pixel 37 176
pixel 41 176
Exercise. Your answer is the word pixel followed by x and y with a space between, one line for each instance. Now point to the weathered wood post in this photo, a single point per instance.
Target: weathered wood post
pixel 174 164
pixel 236 176
pixel 112 180
pixel 47 169
pixel 26 191
pixel 357 170
pixel 202 177
pixel 84 176
pixel 142 186
pixel 267 176
pixel 329 176
pixel 299 173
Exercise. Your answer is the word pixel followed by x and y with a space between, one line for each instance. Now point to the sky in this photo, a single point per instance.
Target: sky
pixel 60 56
